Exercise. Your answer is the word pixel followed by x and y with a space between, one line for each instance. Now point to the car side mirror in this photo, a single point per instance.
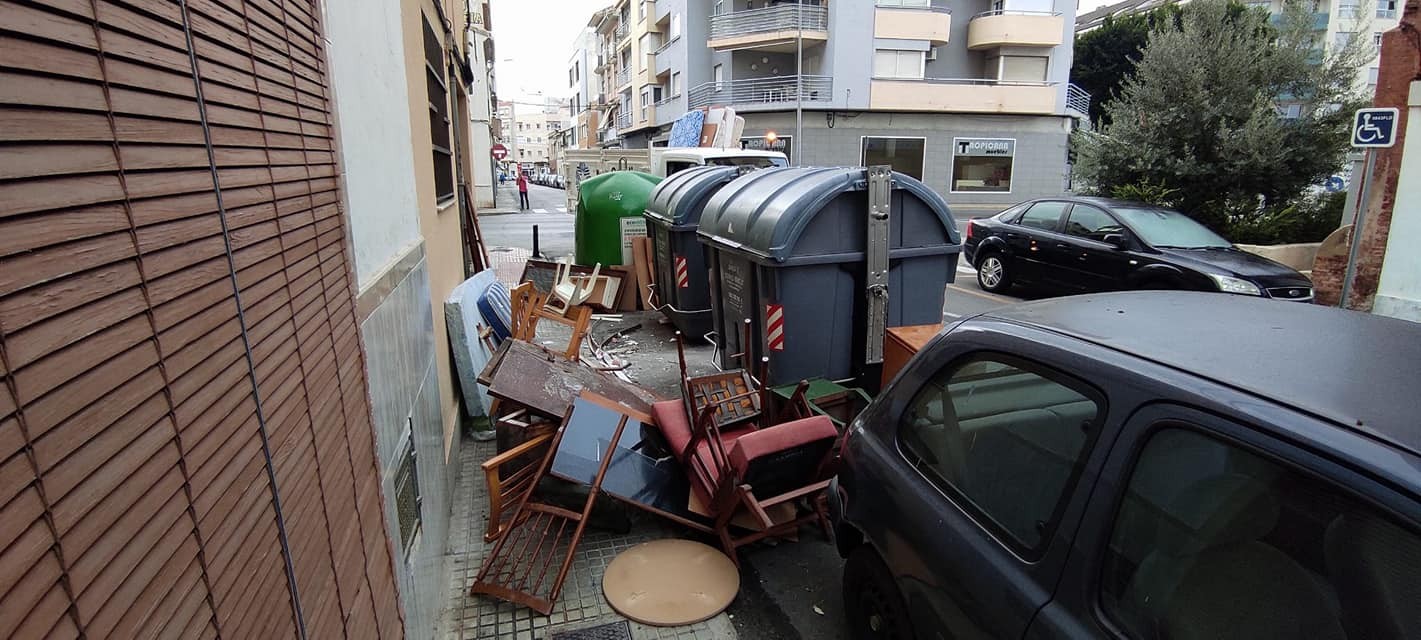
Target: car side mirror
pixel 1117 240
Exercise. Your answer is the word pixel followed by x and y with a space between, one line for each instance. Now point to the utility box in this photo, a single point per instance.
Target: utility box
pixel 672 215
pixel 791 250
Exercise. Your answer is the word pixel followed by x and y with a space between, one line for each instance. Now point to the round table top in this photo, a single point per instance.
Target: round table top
pixel 670 582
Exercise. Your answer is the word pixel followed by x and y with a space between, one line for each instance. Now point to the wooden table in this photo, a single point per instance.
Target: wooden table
pixel 901 343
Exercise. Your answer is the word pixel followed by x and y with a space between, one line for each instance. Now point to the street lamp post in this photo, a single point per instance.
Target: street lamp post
pixel 798 82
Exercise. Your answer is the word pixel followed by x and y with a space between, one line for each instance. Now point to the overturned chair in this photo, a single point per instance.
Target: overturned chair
pixel 754 471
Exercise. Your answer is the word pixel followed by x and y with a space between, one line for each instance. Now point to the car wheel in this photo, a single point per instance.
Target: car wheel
pixel 993 273
pixel 872 602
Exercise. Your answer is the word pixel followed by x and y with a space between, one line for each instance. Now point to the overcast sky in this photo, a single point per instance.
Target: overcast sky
pixel 533 39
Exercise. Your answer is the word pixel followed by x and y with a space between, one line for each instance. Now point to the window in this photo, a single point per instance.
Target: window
pixel 1373 74
pixel 1006 436
pixel 982 164
pixel 1266 5
pixel 1092 223
pixel 904 3
pixel 717 8
pixel 1290 111
pixel 893 63
pixel 675 88
pixel 675 26
pixel 1350 8
pixel 437 90
pixel 1023 68
pixel 645 102
pixel 1043 215
pixel 904 154
pixel 1376 38
pixel 1211 540
pixel 718 76
pixel 1342 38
pixel 1386 9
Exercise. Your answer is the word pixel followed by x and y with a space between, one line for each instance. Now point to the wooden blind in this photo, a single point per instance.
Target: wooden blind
pixel 185 439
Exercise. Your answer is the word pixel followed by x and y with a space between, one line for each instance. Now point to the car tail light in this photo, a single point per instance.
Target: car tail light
pixel 971 222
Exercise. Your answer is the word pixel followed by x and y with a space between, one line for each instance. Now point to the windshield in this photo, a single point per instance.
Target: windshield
pixel 752 161
pixel 1170 229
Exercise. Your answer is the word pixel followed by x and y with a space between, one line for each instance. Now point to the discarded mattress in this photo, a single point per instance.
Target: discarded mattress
pixel 464 322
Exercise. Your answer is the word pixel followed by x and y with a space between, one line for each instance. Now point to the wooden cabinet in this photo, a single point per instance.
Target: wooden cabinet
pixel 901 343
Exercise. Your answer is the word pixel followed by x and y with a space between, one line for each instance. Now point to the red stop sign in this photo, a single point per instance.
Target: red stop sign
pixel 499 151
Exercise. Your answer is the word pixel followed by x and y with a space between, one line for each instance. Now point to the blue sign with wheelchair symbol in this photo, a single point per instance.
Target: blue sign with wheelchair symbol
pixel 1335 184
pixel 1374 127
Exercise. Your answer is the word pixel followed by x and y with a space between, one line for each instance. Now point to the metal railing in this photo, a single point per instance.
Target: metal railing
pixel 1013 12
pixel 624 120
pixel 620 32
pixel 778 90
pixel 1077 99
pixel 780 18
pixel 624 76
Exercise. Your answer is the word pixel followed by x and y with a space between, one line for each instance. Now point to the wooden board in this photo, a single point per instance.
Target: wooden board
pixel 641 261
pixel 559 381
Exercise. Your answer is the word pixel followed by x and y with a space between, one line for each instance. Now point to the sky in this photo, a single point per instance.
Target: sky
pixel 533 41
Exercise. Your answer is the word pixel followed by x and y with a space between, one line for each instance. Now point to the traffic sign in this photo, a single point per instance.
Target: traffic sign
pixel 499 151
pixel 1335 184
pixel 1374 127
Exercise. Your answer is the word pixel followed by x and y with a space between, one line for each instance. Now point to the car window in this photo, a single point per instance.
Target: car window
pixel 676 166
pixel 1006 436
pixel 1213 541
pixel 1043 215
pixel 1090 222
pixel 1168 228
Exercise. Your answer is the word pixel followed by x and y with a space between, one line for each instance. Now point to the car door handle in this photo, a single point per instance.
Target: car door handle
pixel 1062 245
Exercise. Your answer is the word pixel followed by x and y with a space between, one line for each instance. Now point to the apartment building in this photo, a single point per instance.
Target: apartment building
pixel 483 96
pixel 530 127
pixel 584 89
pixel 971 96
pixel 227 232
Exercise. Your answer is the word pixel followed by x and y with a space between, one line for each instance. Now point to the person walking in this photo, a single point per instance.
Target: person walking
pixel 522 191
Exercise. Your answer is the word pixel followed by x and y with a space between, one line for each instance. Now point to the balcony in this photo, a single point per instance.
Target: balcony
pixel 773 28
pixel 964 95
pixel 624 77
pixel 1319 20
pixel 1015 29
pixel 779 92
pixel 620 32
pixel 624 120
pixel 927 23
pixel 1077 101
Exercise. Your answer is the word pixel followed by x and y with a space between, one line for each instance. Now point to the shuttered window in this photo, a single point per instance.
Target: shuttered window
pixel 437 87
pixel 185 440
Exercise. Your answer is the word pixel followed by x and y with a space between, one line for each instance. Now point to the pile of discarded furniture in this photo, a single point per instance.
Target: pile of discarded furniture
pixel 731 458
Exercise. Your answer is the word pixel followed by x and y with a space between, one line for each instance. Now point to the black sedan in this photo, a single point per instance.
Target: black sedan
pixel 1078 245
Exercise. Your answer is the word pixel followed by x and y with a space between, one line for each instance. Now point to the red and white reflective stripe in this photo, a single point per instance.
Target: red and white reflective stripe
pixel 683 279
pixel 775 326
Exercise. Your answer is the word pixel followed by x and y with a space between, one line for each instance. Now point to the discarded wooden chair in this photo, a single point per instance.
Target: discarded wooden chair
pixel 531 559
pixel 510 476
pixel 716 389
pixel 751 470
pixel 569 291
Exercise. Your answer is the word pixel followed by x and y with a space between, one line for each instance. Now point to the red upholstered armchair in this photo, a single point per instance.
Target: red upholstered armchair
pixel 751 470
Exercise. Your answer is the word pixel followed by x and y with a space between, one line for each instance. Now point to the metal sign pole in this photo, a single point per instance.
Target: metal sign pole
pixel 1357 222
pixel 798 84
pixel 880 190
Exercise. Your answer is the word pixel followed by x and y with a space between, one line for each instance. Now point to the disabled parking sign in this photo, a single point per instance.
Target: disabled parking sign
pixel 1375 127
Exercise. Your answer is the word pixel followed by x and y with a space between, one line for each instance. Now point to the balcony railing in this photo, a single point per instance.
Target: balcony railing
pixel 624 76
pixel 624 120
pixel 780 18
pixel 621 31
pixel 1077 100
pixel 780 90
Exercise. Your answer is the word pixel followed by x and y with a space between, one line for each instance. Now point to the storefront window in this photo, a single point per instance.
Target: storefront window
pixel 982 164
pixel 904 154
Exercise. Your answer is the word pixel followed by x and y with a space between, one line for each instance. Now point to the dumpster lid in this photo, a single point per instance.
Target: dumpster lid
pixel 765 212
pixel 678 199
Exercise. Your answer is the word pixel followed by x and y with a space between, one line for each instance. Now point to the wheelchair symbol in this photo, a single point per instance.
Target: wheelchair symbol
pixel 1367 132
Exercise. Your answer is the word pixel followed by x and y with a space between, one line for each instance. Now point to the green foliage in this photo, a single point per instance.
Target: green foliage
pixel 1198 117
pixel 1308 219
pixel 1146 192
pixel 1106 55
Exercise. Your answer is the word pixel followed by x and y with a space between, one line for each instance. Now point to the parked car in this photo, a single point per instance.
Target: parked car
pixel 1075 245
pixel 1140 465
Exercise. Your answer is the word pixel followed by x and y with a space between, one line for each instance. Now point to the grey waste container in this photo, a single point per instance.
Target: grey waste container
pixel 672 214
pixel 787 249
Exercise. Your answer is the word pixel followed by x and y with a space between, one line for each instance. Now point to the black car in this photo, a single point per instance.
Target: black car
pixel 1143 465
pixel 1078 245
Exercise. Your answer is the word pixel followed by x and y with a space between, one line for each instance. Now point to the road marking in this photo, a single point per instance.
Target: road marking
pixel 562 209
pixel 540 211
pixel 983 295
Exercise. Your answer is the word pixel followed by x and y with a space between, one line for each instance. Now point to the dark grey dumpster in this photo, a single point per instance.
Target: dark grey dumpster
pixel 789 249
pixel 672 215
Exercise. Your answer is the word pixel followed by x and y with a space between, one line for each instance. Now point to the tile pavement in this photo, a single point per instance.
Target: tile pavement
pixel 581 603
